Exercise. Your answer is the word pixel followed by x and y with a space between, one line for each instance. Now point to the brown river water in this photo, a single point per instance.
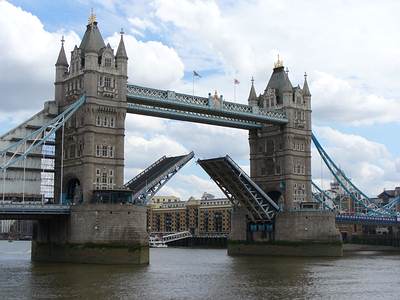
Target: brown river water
pixel 185 273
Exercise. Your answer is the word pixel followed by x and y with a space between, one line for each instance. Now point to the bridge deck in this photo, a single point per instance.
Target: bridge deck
pixel 366 220
pixel 148 182
pixel 16 211
pixel 239 188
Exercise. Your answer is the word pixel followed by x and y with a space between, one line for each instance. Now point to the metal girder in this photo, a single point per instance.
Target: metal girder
pixel 371 207
pixel 23 147
pixel 363 219
pixel 196 117
pixel 204 106
pixel 147 183
pixel 239 188
pixel 176 236
pixel 321 196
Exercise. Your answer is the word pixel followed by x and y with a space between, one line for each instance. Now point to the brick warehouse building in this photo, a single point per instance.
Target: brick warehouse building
pixel 207 216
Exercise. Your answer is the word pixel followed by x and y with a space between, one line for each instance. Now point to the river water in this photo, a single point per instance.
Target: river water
pixel 184 273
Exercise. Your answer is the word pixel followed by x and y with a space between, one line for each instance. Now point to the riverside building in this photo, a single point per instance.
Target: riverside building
pixel 207 216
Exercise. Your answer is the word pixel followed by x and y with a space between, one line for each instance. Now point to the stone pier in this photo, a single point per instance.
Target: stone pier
pixel 94 233
pixel 297 233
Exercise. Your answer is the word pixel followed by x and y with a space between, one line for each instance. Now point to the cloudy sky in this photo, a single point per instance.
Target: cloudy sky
pixel 350 50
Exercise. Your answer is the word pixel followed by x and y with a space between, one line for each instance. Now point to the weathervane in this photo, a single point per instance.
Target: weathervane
pixel 278 63
pixel 92 18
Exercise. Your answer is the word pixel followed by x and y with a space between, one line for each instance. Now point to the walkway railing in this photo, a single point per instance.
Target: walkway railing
pixel 170 104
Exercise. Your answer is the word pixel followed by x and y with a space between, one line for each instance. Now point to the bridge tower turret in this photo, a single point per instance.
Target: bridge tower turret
pixel 253 99
pixel 280 155
pixel 92 156
pixel 61 72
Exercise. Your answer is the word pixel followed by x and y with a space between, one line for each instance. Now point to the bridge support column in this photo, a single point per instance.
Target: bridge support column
pixel 238 224
pixel 296 233
pixel 94 233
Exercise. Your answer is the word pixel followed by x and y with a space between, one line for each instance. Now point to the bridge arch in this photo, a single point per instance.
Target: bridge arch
pixel 73 190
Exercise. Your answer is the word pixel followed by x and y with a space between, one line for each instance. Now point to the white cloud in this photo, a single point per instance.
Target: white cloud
pixel 140 25
pixel 242 39
pixel 141 152
pixel 150 63
pixel 27 60
pixel 336 100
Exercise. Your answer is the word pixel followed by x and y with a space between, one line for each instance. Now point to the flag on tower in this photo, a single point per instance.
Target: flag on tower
pixel 195 74
pixel 235 81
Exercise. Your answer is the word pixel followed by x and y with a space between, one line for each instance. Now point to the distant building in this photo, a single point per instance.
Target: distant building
pixel 388 195
pixel 158 200
pixel 205 216
pixel 5 226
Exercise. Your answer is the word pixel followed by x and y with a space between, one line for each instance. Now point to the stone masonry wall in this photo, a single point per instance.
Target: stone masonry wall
pixel 306 226
pixel 108 223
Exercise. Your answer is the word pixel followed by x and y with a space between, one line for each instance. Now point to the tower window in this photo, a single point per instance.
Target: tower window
pixel 104 154
pixel 97 150
pixel 107 82
pixel 107 62
pixel 104 178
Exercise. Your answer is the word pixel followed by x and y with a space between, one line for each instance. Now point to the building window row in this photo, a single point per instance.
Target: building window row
pixel 105 121
pixel 104 179
pixel 298 146
pixel 299 192
pixel 75 84
pixel 300 115
pixel 106 81
pixel 105 151
pixel 73 150
pixel 299 168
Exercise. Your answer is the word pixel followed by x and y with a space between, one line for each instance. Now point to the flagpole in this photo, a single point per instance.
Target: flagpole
pixel 193 84
pixel 234 91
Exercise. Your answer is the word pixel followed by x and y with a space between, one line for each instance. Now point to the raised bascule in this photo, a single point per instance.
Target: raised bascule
pixel 97 218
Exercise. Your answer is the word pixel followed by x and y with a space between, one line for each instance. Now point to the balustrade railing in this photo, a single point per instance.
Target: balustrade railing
pixel 163 95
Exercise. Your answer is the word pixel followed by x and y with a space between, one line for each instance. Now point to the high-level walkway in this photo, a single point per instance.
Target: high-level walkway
pixel 212 110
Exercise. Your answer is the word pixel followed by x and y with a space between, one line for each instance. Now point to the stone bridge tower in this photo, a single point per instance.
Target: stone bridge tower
pixel 93 140
pixel 280 156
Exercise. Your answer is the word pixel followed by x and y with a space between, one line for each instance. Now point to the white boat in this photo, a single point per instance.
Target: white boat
pixel 155 243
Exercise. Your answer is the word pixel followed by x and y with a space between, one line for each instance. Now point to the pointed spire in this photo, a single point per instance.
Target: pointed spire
pixel 92 40
pixel 62 58
pixel 252 95
pixel 306 90
pixel 121 52
pixel 279 79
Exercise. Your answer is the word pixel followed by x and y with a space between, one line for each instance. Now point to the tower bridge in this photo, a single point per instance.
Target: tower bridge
pixel 99 218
